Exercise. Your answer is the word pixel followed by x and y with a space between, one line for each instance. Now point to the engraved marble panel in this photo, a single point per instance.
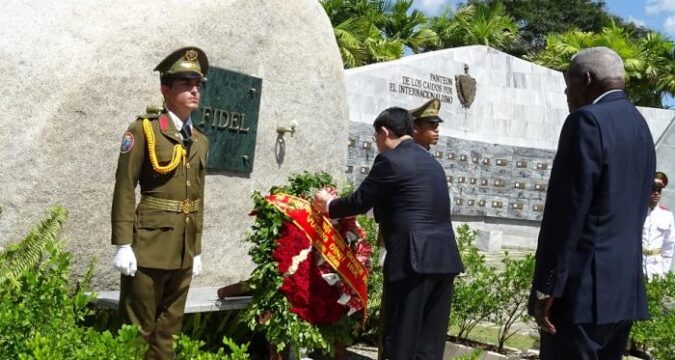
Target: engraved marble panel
pixel 473 174
pixel 495 207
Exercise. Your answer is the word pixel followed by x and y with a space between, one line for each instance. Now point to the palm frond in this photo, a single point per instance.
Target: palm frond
pixel 26 254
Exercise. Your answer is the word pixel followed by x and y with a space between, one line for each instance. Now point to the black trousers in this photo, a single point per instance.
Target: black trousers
pixel 416 314
pixel 585 341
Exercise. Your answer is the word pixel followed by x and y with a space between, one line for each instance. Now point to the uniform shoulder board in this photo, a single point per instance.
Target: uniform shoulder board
pixel 151 112
pixel 663 207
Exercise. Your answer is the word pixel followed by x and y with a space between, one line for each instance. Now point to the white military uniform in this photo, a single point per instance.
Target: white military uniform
pixel 658 240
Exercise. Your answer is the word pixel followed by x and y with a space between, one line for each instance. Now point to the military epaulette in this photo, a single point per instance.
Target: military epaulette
pixel 151 112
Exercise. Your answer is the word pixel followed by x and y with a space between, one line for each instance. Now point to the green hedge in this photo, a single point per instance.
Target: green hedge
pixel 43 307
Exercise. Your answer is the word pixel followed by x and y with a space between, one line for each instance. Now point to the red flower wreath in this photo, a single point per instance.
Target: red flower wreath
pixel 306 286
pixel 312 298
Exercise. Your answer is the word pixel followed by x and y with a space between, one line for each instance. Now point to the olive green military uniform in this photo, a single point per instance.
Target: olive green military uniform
pixel 164 229
pixel 164 241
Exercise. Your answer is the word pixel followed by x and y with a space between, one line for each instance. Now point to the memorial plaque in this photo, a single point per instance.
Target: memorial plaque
pixel 228 116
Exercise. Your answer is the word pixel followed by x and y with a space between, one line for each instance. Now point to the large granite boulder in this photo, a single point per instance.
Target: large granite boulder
pixel 76 73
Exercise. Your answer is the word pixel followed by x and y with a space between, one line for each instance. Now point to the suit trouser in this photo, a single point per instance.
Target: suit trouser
pixel 416 311
pixel 154 299
pixel 585 341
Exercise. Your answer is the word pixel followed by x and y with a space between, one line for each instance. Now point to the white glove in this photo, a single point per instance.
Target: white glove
pixel 196 265
pixel 124 260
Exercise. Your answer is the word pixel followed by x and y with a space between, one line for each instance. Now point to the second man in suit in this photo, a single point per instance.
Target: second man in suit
pixel 408 191
pixel 588 286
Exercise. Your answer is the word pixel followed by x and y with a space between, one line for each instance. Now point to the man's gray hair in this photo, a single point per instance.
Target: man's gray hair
pixel 604 63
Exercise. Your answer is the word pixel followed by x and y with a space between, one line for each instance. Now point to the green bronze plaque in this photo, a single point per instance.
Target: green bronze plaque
pixel 228 116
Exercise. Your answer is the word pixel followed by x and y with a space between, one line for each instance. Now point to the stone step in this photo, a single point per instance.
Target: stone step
pixel 200 299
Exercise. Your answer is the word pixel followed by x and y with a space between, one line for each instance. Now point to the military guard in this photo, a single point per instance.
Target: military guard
pixel 425 123
pixel 158 242
pixel 658 233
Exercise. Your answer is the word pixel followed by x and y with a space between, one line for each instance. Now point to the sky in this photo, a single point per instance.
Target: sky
pixel 655 14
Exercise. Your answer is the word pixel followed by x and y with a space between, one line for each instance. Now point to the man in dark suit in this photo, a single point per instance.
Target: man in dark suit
pixel 408 191
pixel 588 286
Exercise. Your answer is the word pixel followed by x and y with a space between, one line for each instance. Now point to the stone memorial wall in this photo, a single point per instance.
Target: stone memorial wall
pixel 502 117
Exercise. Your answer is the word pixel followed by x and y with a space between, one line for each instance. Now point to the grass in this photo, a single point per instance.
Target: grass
pixel 487 334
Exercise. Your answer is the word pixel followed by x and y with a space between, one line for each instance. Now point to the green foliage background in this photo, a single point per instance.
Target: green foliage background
pixel 44 308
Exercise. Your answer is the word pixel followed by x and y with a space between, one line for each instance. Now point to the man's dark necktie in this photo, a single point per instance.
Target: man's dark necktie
pixel 186 132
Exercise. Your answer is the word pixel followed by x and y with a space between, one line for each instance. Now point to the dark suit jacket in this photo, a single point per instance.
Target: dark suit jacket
pixel 589 249
pixel 408 191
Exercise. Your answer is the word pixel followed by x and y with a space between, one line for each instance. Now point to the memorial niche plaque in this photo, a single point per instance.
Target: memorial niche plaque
pixel 228 116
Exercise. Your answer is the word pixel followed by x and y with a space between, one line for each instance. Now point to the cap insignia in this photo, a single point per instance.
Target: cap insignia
pixel 191 55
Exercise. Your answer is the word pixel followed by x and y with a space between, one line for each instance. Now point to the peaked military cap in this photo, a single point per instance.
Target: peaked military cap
pixel 428 111
pixel 187 62
pixel 660 179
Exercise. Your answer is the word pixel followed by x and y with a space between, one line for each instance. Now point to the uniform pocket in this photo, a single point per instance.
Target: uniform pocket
pixel 155 221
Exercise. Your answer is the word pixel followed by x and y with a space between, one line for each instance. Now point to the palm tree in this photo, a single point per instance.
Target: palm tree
pixel 649 62
pixel 356 24
pixel 489 26
pixel 400 24
pixel 476 24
